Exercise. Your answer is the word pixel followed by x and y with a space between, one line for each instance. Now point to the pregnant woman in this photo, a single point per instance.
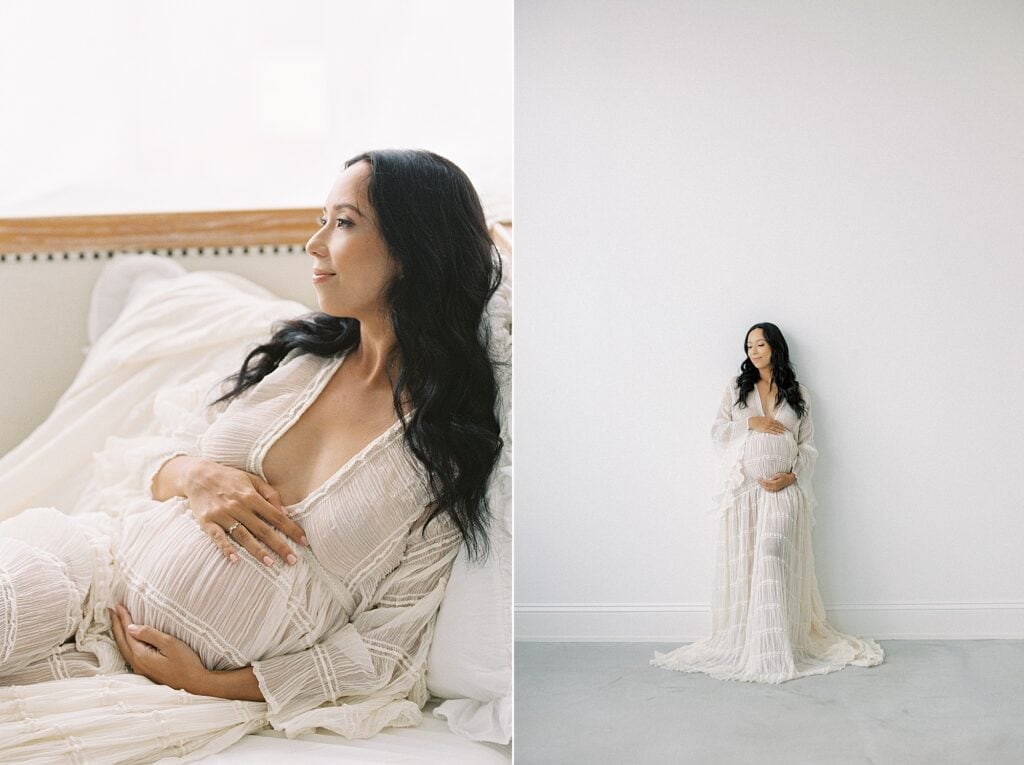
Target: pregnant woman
pixel 299 537
pixel 768 622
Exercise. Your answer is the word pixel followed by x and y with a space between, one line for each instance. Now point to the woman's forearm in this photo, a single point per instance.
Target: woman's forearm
pixel 240 684
pixel 170 480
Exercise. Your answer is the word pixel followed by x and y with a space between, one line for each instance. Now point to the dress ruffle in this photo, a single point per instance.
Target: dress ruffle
pixel 729 479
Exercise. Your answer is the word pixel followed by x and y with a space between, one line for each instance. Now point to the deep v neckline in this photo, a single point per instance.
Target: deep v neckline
pixel 760 404
pixel 285 423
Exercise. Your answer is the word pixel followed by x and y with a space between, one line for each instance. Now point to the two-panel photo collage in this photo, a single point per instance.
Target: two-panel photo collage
pixel 479 382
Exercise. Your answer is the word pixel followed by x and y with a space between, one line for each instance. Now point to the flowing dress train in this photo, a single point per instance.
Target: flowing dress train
pixel 768 621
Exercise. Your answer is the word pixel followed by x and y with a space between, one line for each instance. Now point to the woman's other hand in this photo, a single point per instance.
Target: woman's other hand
pixel 226 499
pixel 777 482
pixel 765 425
pixel 165 660
pixel 168 661
pixel 154 654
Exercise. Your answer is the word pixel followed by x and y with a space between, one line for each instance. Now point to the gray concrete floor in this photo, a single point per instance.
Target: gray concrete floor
pixel 933 702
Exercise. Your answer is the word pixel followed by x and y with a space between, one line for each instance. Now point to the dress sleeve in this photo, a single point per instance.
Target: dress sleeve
pixel 177 417
pixel 730 422
pixel 807 453
pixel 730 434
pixel 370 673
pixel 183 415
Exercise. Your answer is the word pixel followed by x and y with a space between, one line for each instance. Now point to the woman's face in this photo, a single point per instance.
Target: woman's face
pixel 352 267
pixel 758 350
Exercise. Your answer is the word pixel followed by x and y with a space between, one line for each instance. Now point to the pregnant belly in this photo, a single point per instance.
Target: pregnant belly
pixel 175 579
pixel 766 454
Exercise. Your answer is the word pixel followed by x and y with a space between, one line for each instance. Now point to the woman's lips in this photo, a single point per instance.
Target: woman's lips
pixel 319 277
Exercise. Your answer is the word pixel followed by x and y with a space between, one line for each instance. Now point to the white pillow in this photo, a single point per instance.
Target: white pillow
pixel 116 284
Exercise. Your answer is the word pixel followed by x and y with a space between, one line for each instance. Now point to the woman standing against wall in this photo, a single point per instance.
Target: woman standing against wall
pixel 768 621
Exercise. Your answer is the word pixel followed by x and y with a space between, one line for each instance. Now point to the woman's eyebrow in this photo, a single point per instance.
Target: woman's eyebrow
pixel 342 206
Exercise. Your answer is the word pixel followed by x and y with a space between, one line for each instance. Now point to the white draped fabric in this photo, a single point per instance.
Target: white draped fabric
pixel 768 621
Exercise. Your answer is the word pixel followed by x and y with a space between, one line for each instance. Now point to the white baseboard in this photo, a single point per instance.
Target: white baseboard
pixel 686 622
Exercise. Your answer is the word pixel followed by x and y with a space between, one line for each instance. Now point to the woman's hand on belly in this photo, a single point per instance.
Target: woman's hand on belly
pixel 224 498
pixel 160 657
pixel 777 482
pixel 168 661
pixel 765 425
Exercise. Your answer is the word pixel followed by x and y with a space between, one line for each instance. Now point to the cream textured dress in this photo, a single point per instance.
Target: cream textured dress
pixel 768 621
pixel 338 640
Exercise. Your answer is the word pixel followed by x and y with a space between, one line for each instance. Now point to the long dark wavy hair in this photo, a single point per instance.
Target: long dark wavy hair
pixel 431 220
pixel 782 370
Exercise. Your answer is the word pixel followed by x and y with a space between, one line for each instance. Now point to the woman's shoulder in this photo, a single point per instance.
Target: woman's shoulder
pixel 805 396
pixel 298 358
pixel 290 377
pixel 732 390
pixel 301 363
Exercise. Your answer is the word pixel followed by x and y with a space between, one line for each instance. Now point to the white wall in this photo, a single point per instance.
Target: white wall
pixel 853 172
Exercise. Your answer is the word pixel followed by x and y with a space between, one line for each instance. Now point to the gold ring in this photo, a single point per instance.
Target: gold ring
pixel 233 526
